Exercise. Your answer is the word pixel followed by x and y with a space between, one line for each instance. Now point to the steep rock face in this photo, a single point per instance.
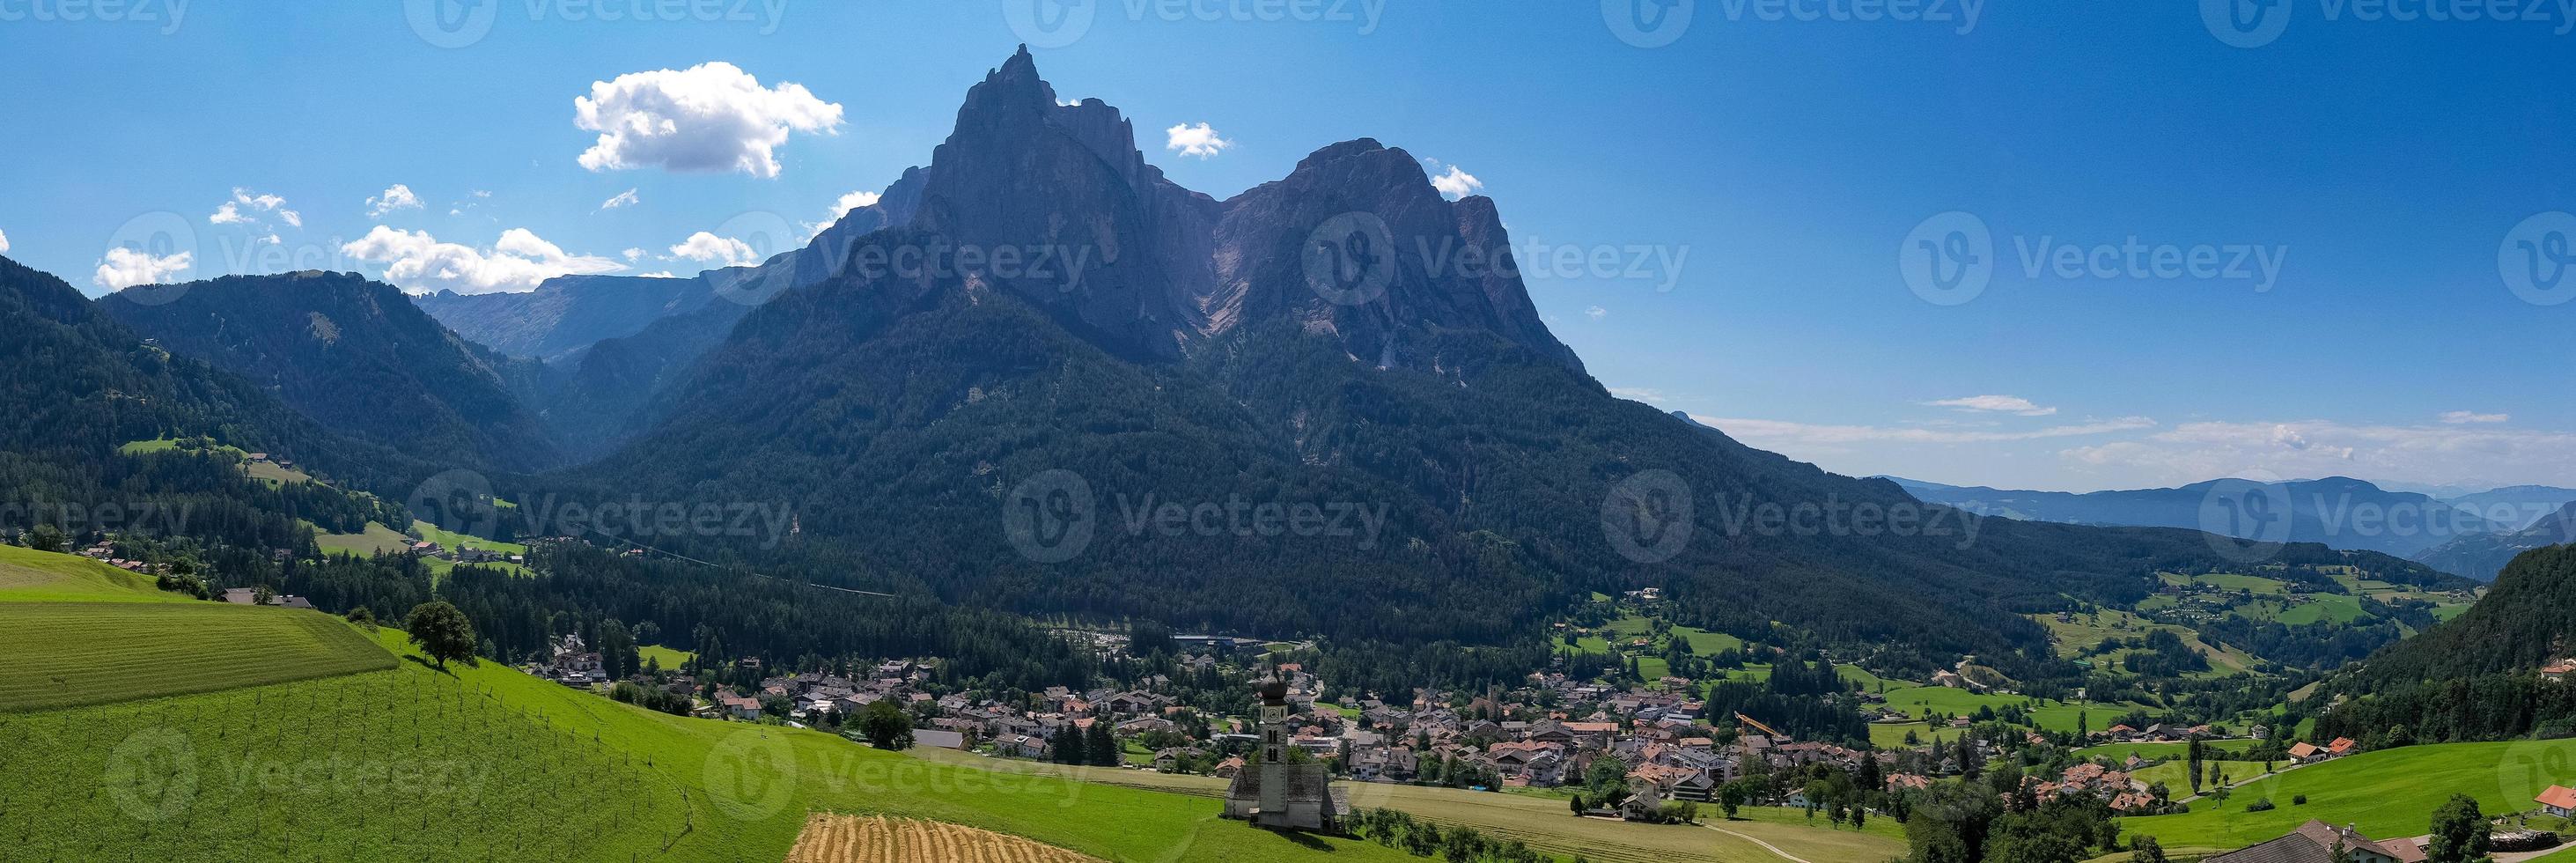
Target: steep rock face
pixel 1095 237
pixel 1357 244
pixel 353 354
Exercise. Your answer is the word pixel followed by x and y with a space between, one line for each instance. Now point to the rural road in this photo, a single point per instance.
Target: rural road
pixel 1775 849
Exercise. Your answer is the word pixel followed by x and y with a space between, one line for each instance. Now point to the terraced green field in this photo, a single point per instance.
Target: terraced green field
pixel 65 654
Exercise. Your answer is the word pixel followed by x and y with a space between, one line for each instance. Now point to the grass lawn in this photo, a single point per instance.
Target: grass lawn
pixel 376 538
pixel 27 575
pixel 2387 793
pixel 2340 608
pixel 2152 751
pixel 2177 778
pixel 2051 716
pixel 63 654
pixel 1891 735
pixel 451 539
pixel 269 472
pixel 670 658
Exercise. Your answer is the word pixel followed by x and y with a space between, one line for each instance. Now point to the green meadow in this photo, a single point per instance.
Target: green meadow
pixel 2387 793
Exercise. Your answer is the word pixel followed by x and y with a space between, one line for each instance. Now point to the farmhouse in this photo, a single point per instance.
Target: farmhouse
pixel 2559 800
pixel 2315 841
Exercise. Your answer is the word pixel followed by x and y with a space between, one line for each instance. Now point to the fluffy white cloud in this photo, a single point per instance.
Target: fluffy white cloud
pixel 2452 417
pixel 624 198
pixel 230 213
pixel 416 261
pixel 4 241
pixel 1457 184
pixel 661 274
pixel 636 253
pixel 710 117
pixel 1596 313
pixel 1996 404
pixel 125 267
pixel 395 197
pixel 706 247
pixel 853 201
pixel 1199 140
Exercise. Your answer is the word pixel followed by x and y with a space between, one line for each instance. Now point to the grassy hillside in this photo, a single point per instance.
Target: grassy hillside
pixel 377 538
pixel 2386 793
pixel 531 770
pixel 27 575
pixel 64 654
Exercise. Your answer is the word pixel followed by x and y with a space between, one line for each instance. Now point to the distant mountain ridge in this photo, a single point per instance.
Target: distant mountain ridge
pixel 2338 512
pixel 2482 555
pixel 355 355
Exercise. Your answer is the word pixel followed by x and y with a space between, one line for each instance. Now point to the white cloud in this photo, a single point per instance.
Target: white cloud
pixel 395 197
pixel 1457 184
pixel 1795 438
pixel 853 201
pixel 1996 404
pixel 1641 394
pixel 2456 417
pixel 1200 140
pixel 4 241
pixel 625 198
pixel 125 267
pixel 1596 313
pixel 705 247
pixel 230 213
pixel 710 117
pixel 635 253
pixel 416 261
pixel 662 274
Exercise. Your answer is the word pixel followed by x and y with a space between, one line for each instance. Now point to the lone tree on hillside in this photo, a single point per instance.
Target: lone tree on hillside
pixel 441 631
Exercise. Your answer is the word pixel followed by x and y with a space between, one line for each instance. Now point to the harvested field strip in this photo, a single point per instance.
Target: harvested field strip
pixel 861 839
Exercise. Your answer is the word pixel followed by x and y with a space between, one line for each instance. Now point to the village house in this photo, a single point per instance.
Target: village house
pixel 2316 841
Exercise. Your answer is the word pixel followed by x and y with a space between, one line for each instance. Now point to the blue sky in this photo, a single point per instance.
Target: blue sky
pixel 1767 161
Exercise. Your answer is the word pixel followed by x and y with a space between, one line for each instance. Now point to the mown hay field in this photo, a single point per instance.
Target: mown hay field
pixel 831 838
